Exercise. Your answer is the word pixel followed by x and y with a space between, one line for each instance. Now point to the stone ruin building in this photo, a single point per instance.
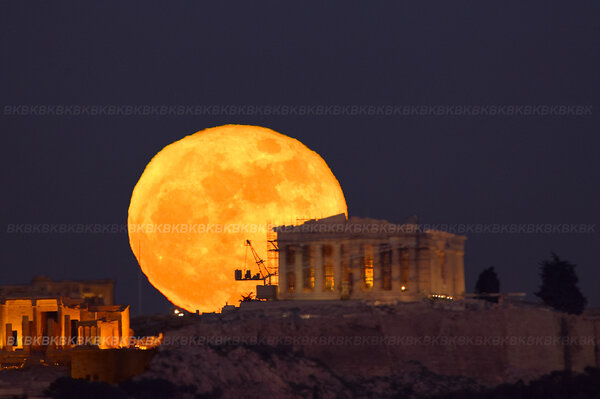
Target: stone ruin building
pixel 61 314
pixel 368 259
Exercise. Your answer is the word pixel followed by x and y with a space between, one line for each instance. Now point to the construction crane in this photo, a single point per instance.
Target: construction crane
pixel 267 290
pixel 263 270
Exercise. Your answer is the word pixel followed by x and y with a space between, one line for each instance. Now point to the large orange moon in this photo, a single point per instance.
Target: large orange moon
pixel 201 197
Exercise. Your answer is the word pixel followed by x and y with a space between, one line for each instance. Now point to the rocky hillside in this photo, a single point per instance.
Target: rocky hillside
pixel 352 349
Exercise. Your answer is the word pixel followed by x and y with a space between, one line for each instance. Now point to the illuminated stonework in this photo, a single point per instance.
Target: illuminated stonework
pixel 38 316
pixel 336 258
pixel 100 292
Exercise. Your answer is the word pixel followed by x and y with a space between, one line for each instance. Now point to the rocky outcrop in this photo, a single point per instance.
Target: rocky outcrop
pixel 352 349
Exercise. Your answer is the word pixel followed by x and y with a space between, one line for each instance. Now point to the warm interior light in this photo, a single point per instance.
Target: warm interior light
pixel 202 197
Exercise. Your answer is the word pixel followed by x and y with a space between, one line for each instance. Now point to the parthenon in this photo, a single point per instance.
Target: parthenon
pixel 360 258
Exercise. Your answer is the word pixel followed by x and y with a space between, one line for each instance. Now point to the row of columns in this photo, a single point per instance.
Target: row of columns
pixel 414 279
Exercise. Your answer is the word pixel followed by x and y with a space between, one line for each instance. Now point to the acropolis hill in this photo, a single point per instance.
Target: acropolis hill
pixel 433 346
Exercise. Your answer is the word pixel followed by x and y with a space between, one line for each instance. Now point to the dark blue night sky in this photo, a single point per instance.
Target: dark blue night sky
pixel 463 169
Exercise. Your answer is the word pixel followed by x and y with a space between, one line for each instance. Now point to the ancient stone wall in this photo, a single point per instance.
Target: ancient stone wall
pixel 489 343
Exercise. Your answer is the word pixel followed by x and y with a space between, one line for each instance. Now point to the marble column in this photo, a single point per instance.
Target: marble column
pixel 377 267
pixel 424 270
pixel 413 270
pixel 8 344
pixel 459 271
pixel 337 267
pixel 451 277
pixel 299 284
pixel 282 271
pixel 319 272
pixel 395 247
pixel 356 260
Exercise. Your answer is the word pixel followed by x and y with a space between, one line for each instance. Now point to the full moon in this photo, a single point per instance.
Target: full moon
pixel 200 198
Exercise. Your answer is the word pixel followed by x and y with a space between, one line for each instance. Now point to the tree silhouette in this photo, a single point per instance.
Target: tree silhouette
pixel 488 283
pixel 559 286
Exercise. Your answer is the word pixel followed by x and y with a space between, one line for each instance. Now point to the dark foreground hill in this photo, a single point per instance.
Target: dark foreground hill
pixel 356 350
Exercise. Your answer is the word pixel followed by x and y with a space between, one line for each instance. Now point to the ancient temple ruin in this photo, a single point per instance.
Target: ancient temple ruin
pixel 62 314
pixel 359 258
